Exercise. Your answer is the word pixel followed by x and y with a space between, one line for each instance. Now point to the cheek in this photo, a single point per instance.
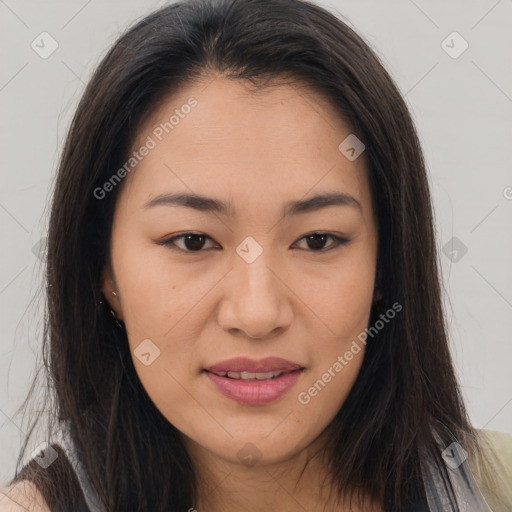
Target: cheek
pixel 341 301
pixel 165 306
pixel 335 360
pixel 326 388
pixel 155 294
pixel 338 296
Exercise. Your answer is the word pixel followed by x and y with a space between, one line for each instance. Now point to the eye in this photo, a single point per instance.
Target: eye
pixel 192 242
pixel 195 242
pixel 316 241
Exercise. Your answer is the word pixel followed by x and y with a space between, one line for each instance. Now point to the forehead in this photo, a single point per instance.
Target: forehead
pixel 222 136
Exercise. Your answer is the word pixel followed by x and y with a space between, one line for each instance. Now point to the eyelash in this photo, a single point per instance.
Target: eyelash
pixel 169 242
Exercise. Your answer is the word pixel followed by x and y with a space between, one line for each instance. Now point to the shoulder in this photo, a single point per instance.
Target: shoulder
pixel 500 441
pixel 22 496
pixel 497 449
pixel 494 468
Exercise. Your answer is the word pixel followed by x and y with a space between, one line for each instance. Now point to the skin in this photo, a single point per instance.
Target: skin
pixel 294 301
pixel 22 497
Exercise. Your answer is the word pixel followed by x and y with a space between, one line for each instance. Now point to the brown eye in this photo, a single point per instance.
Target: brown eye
pixel 191 242
pixel 316 241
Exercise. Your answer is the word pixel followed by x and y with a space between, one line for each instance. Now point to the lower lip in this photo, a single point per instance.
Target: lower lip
pixel 255 392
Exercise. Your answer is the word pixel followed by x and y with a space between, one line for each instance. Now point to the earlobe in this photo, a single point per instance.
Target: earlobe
pixel 109 291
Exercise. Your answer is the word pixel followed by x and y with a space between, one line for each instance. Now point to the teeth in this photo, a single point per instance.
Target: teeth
pixel 251 375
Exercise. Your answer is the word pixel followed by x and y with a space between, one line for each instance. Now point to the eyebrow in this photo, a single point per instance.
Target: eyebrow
pixel 211 205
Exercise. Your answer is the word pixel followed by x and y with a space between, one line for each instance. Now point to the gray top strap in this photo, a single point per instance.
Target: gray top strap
pixel 468 495
pixel 63 439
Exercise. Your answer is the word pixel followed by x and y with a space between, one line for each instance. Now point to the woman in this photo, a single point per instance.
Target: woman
pixel 244 307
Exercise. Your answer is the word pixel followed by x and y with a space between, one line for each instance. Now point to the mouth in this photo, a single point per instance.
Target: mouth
pixel 251 382
pixel 251 369
pixel 254 375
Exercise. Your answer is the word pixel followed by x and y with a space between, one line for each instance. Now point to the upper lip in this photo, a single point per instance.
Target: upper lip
pixel 244 364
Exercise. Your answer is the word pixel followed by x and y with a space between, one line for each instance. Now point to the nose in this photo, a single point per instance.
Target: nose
pixel 255 300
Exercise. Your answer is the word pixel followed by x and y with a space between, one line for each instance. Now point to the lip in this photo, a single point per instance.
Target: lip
pixel 255 392
pixel 244 364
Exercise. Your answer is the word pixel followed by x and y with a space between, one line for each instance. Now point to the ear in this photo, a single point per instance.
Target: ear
pixel 109 289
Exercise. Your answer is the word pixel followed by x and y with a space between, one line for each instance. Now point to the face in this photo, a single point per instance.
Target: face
pixel 257 270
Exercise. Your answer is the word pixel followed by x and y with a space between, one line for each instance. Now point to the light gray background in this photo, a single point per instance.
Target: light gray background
pixel 462 107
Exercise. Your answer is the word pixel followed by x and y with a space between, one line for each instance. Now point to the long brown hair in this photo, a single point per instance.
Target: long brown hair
pixel 406 392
